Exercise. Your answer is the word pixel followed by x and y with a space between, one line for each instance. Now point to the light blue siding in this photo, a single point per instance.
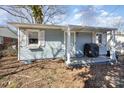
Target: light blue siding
pixel 81 39
pixel 86 37
pixel 54 46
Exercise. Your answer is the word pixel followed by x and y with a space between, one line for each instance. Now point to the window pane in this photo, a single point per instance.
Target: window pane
pixel 99 38
pixel 33 38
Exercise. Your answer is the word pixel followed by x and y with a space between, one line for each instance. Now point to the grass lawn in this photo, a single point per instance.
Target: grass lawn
pixel 54 73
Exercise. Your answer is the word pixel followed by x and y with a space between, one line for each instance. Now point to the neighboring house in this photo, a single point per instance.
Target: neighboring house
pixel 119 41
pixel 7 37
pixel 38 41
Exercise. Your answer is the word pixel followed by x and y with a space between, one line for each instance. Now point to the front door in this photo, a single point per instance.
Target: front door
pixel 101 40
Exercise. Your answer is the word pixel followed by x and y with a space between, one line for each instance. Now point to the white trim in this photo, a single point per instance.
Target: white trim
pixel 65 43
pixel 113 56
pixel 34 46
pixel 81 31
pixel 42 35
pixel 18 44
pixel 74 42
pixel 100 44
pixel 62 27
pixel 68 46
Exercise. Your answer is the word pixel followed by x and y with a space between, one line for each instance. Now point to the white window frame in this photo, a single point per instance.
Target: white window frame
pixel 101 38
pixel 35 46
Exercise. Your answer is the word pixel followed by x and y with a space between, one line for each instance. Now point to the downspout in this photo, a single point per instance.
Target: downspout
pixel 68 45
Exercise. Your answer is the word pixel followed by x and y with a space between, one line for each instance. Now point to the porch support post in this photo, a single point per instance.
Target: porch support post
pixel 18 44
pixel 68 45
pixel 113 56
pixel 74 42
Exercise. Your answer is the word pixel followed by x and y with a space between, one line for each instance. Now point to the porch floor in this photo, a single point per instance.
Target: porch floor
pixel 91 60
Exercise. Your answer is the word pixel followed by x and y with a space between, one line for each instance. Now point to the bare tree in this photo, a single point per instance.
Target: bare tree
pixel 54 14
pixel 41 14
pixel 119 24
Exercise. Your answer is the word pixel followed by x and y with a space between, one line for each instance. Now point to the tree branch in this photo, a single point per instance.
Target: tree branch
pixel 15 14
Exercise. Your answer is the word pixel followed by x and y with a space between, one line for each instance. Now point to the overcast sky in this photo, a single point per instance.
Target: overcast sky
pixel 105 16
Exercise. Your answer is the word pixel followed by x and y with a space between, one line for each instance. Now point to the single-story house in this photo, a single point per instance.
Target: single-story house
pixel 40 41
pixel 7 37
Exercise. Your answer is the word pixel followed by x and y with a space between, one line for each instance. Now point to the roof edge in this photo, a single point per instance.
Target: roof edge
pixel 50 26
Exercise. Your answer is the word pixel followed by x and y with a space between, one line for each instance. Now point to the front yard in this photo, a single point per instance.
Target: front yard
pixel 54 73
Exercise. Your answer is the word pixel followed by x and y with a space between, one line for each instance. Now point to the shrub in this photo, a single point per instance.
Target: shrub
pixel 10 51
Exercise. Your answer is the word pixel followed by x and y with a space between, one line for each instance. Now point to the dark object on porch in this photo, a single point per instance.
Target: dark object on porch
pixel 91 50
pixel 108 54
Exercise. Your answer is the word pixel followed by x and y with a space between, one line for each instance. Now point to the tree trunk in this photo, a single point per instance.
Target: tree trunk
pixel 37 13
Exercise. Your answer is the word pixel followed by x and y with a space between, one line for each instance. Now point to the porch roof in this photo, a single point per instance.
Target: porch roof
pixel 89 28
pixel 61 27
pixel 37 26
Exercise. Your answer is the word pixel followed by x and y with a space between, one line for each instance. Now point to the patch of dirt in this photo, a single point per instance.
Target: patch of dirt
pixel 106 76
pixel 55 74
pixel 47 73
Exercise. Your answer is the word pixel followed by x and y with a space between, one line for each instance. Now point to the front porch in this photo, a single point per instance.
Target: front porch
pixel 90 60
pixel 87 38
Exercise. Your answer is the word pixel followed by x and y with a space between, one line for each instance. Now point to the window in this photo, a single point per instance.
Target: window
pixel 99 38
pixel 1 40
pixel 33 38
